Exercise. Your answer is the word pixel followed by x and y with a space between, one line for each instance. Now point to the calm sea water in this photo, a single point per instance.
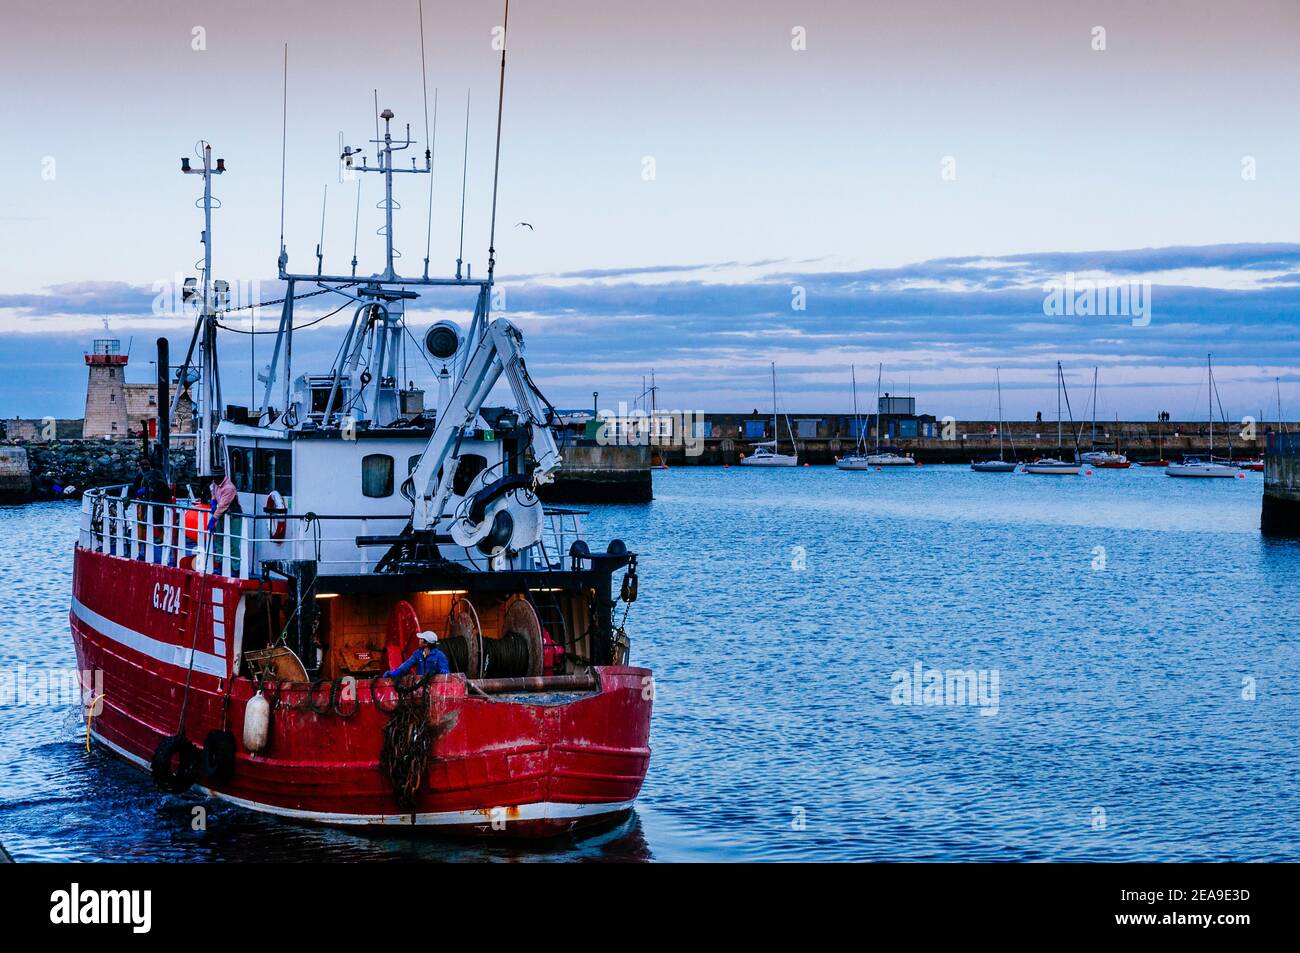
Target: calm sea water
pixel 1142 634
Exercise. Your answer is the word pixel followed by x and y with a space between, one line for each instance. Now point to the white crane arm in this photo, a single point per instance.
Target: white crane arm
pixel 501 350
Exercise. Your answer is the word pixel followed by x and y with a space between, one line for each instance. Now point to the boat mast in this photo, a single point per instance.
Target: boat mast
pixel 1277 382
pixel 1060 382
pixel 776 434
pixel 1093 439
pixel 853 373
pixel 1209 399
pixel 998 375
pixel 880 369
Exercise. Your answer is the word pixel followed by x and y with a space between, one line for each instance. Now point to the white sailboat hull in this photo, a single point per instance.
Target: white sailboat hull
pixel 889 460
pixel 1053 468
pixel 852 463
pixel 770 460
pixel 1212 470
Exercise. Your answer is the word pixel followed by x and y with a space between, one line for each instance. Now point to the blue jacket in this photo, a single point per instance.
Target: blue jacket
pixel 435 664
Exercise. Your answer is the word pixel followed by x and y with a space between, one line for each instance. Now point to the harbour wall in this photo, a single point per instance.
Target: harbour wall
pixel 964 441
pixel 596 474
pixel 1280 515
pixel 52 467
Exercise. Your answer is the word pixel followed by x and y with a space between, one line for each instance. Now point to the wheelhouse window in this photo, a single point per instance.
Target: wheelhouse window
pixel 272 470
pixel 241 468
pixel 376 475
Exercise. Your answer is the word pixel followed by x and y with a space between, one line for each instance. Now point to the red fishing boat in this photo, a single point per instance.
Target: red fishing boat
pixel 243 641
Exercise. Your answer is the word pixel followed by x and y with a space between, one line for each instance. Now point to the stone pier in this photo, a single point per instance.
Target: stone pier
pixel 1281 510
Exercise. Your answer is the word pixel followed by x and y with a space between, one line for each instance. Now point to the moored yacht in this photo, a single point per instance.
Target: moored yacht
pixel 858 459
pixel 1202 467
pixel 767 452
pixel 1207 467
pixel 885 458
pixel 1000 465
pixel 1055 466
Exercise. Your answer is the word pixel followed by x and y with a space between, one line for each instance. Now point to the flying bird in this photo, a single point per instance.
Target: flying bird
pixel 530 228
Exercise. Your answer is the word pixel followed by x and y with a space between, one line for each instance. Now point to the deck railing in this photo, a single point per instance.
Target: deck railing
pixel 177 534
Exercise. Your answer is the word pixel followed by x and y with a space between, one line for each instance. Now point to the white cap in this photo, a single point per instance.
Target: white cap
pixel 428 636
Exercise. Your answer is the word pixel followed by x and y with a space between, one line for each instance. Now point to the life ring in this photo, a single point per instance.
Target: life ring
pixel 276 506
pixel 180 776
pixel 218 757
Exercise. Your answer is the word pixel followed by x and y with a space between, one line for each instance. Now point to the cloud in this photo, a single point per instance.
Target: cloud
pixel 710 329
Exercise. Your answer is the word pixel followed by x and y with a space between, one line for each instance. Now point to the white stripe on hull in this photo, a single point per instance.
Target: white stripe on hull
pixel 204 662
pixel 536 811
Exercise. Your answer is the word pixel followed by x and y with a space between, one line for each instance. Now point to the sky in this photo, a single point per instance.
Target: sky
pixel 711 188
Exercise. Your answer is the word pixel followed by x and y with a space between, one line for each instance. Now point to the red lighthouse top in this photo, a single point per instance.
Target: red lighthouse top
pixel 107 351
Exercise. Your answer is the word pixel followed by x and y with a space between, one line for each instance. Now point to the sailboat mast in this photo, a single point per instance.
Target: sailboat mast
pixel 853 374
pixel 1093 438
pixel 998 375
pixel 880 370
pixel 1209 373
pixel 1060 380
pixel 776 434
pixel 1277 382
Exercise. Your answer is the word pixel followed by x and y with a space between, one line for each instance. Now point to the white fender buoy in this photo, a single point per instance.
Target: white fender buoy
pixel 257 723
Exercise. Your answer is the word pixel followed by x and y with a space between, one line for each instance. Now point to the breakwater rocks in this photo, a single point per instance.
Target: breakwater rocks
pixel 66 468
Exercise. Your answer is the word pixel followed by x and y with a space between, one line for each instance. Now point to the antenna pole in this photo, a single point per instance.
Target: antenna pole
pixel 284 130
pixel 210 393
pixel 496 167
pixel 428 140
pixel 356 225
pixel 464 173
pixel 320 246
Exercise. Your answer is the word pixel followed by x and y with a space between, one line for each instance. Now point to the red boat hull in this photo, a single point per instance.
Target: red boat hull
pixel 524 764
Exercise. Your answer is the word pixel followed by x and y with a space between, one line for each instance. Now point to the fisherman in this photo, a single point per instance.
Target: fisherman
pixel 225 499
pixel 428 659
pixel 150 486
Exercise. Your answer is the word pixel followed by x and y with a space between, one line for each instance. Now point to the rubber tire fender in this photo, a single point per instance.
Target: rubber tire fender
pixel 218 761
pixel 187 770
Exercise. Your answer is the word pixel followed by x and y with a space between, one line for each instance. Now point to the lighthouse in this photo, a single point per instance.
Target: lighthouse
pixel 116 409
pixel 106 409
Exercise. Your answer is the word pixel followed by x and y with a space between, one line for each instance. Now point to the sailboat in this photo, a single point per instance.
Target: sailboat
pixel 765 453
pixel 1207 467
pixel 859 458
pixel 888 458
pixel 1000 465
pixel 1102 459
pixel 1055 465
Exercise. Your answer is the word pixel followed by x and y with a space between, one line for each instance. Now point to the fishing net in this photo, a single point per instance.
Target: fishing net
pixel 408 742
